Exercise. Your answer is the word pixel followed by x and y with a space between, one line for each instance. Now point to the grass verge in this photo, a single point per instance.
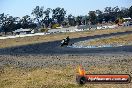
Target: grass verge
pixel 11 77
pixel 121 40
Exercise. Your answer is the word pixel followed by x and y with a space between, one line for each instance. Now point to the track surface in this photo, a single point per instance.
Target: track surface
pixel 54 47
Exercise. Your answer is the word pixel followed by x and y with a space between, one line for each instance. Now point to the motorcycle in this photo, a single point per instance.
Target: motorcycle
pixel 64 42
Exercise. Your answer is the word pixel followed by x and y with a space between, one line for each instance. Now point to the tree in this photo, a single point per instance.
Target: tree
pixel 79 20
pixel 115 13
pixel 7 23
pixel 130 11
pixel 25 21
pixel 2 19
pixel 11 22
pixel 32 25
pixel 47 20
pixel 108 9
pixel 38 12
pixel 92 17
pixel 98 12
pixel 59 14
pixel 84 20
pixel 100 16
pixel 71 20
pixel 115 9
pixel 124 12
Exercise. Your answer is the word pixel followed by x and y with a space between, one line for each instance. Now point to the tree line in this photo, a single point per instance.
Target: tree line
pixel 51 18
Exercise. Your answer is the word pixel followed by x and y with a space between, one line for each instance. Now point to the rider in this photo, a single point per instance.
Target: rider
pixel 67 39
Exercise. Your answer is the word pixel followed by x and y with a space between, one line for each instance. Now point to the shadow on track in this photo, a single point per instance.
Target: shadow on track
pixel 54 47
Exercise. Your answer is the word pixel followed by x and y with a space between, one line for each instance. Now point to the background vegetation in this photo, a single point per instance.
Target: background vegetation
pixel 50 18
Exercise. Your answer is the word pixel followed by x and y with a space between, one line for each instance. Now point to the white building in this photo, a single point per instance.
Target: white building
pixel 128 21
pixel 23 31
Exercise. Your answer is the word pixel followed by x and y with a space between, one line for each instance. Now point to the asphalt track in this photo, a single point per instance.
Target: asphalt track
pixel 53 48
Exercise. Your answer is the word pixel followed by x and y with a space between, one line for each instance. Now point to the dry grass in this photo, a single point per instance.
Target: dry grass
pixel 11 77
pixel 56 75
pixel 46 38
pixel 121 39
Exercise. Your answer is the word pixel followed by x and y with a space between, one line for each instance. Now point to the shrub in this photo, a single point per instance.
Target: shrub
pixel 43 30
pixel 55 25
